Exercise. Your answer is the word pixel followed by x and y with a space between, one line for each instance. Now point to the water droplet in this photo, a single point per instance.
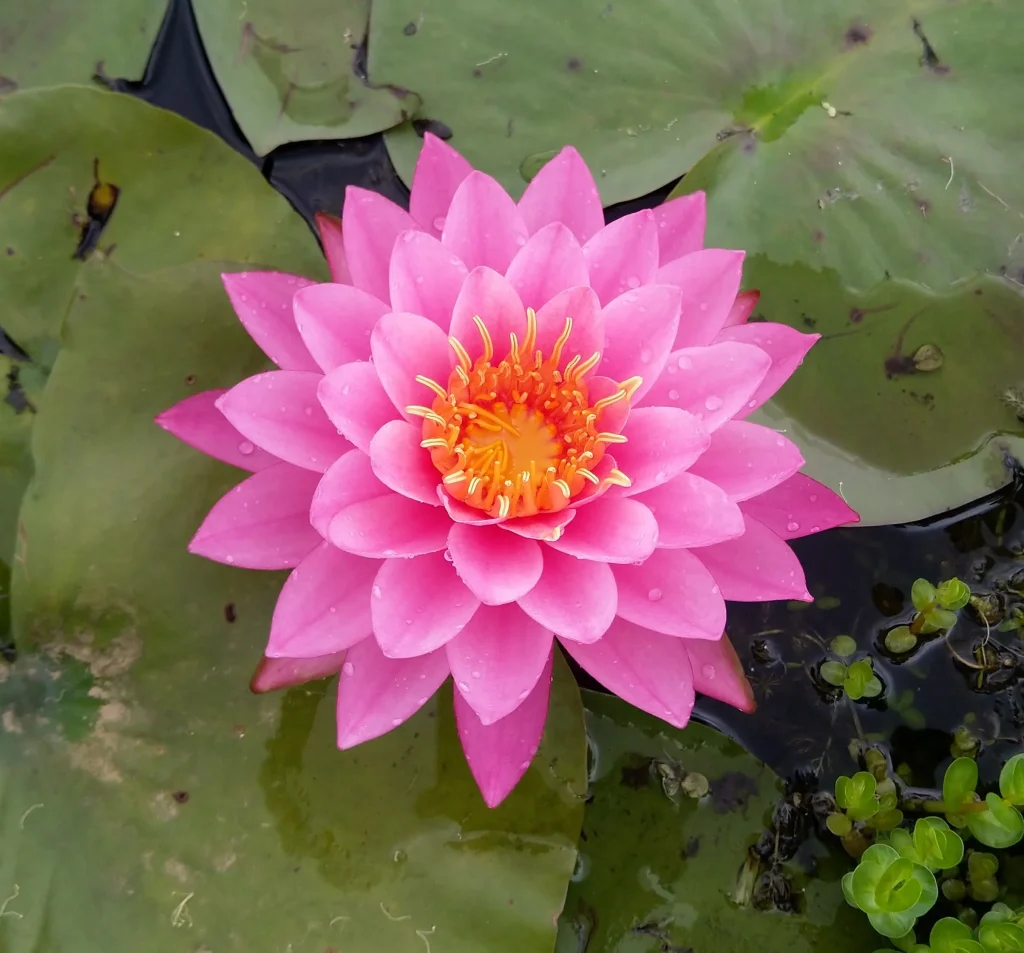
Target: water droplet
pixel 715 590
pixel 475 674
pixel 463 687
pixel 408 621
pixel 645 356
pixel 387 552
pixel 419 279
pixel 424 699
pixel 792 526
pixel 684 362
pixel 708 671
pixel 520 240
pixel 525 765
pixel 752 404
pixel 439 223
pixel 400 856
pixel 632 282
pixel 671 368
pixel 309 411
pixel 395 722
pixel 673 395
pixel 703 306
pixel 814 497
pixel 523 695
pixel 376 592
pixel 780 441
pixel 245 448
pixel 448 556
pixel 654 595
pixel 714 403
pixel 408 236
pixel 348 669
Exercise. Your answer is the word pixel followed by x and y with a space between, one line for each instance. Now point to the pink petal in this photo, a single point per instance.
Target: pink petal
pixel 276 673
pixel 376 693
pixel 718 673
pixel 785 346
pixel 371 225
pixel 335 322
pixel 564 191
pixel 333 241
pixel 549 262
pixel 742 308
pixel 402 464
pixel 263 523
pixel 483 226
pixel 279 411
pixel 661 442
pixel 491 297
pixel 419 605
pixel 692 512
pixel 575 598
pixel 713 383
pixel 623 255
pixel 672 593
pixel 544 526
pixel 263 302
pixel 648 670
pixel 798 507
pixel 350 480
pixel 746 459
pixel 681 226
pixel 640 329
pixel 497 567
pixel 611 530
pixel 613 417
pixel 354 399
pixel 462 513
pixel 439 172
pixel 709 280
pixel 500 753
pixel 497 659
pixel 755 567
pixel 324 607
pixel 390 526
pixel 587 334
pixel 425 278
pixel 405 346
pixel 197 422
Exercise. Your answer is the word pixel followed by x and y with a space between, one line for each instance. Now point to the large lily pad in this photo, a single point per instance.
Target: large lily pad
pixel 147 800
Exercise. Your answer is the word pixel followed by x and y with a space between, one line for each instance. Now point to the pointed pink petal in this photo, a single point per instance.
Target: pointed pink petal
pixel 439 172
pixel 755 567
pixel 419 605
pixel 335 322
pixel 718 673
pixel 785 346
pixel 613 417
pixel 491 297
pixel 425 278
pixel 672 593
pixel 402 464
pixel 542 526
pixel 332 238
pixel 692 512
pixel 623 255
pixel 498 567
pixel 648 670
pixel 279 411
pixel 798 507
pixel 746 459
pixel 405 346
pixel 587 334
pixel 376 693
pixel 355 401
pixel 197 422
pixel 371 224
pixel 462 513
pixel 742 308
pixel 661 442
pixel 612 530
pixel 276 673
pixel 350 480
pixel 390 526
pixel 575 598
pixel 497 659
pixel 263 302
pixel 500 753
pixel 483 225
pixel 681 224
pixel 713 383
pixel 592 492
pixel 263 523
pixel 640 329
pixel 324 607
pixel 549 262
pixel 709 280
pixel 564 191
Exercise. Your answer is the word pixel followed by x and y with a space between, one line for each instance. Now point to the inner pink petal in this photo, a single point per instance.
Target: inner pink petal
pixel 335 322
pixel 681 223
pixel 709 280
pixel 692 511
pixel 498 567
pixel 611 529
pixel 623 255
pixel 402 464
pixel 587 334
pixel 388 526
pixel 483 225
pixel 425 277
pixel 489 296
pixel 542 526
pixel 354 399
pixel 563 191
pixel 551 261
pixel 350 480
pixel 661 442
pixel 575 598
pixel 404 347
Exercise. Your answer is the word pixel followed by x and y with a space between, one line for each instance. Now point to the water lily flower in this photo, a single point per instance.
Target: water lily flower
pixel 504 425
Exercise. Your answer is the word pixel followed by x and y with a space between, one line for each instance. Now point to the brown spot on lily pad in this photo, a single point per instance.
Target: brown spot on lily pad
pixel 574 64
pixel 857 34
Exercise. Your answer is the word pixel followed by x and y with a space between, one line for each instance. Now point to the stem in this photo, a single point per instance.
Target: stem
pixel 941 807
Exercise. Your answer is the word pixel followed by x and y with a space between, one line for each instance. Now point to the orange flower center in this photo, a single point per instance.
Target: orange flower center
pixel 520 436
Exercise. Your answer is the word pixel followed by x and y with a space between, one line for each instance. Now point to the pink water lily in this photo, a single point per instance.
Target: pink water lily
pixel 501 425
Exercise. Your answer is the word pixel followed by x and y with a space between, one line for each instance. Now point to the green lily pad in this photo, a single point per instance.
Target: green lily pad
pixel 661 873
pixel 292 72
pixel 149 801
pixel 23 386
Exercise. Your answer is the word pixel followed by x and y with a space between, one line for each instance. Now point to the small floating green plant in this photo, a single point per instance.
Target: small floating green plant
pixel 936 611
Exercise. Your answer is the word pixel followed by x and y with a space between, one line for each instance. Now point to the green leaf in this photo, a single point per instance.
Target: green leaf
pixel 959 782
pixel 939 620
pixel 938 847
pixel 949 935
pixel 900 640
pixel 1002 937
pixel 856 795
pixel 861 681
pixel 843 646
pixel 953 594
pixel 1000 826
pixel 1011 780
pixel 839 824
pixel 833 672
pixel 923 594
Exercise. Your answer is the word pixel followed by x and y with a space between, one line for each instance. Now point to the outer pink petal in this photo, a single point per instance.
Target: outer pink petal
pixel 263 523
pixel 388 526
pixel 405 346
pixel 623 255
pixel 672 593
pixel 483 226
pixel 263 302
pixel 280 412
pixel 350 480
pixel 746 459
pixel 500 753
pixel 354 399
pixel 197 422
pixel 276 673
pixel 575 598
pixel 611 530
pixel 497 567
pixel 755 567
pixel 376 693
pixel 491 297
pixel 551 261
pixel 742 308
pixel 709 280
pixel 646 669
pixel 402 464
pixel 661 442
pixel 324 607
pixel 640 329
pixel 564 191
pixel 692 512
pixel 335 322
pixel 333 240
pixel 425 277
pixel 587 334
pixel 439 172
pixel 798 507
pixel 497 659
pixel 681 225
pixel 371 225
pixel 419 605
pixel 544 526
pixel 718 673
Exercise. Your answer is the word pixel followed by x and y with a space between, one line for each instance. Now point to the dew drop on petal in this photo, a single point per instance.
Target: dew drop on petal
pixel 309 411
pixel 229 559
pixel 715 590
pixel 654 595
pixel 448 556
pixel 673 395
pixel 419 279
pixel 439 223
pixel 475 674
pixel 463 687
pixel 395 722
pixel 522 695
pixel 525 765
pixel 376 592
pixel 814 498
pixel 703 306
pixel 245 448
pixel 713 403
pixel 348 669
pixel 645 356
pixel 792 526
pixel 671 368
pixel 708 671
pixel 633 282
pixel 408 236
